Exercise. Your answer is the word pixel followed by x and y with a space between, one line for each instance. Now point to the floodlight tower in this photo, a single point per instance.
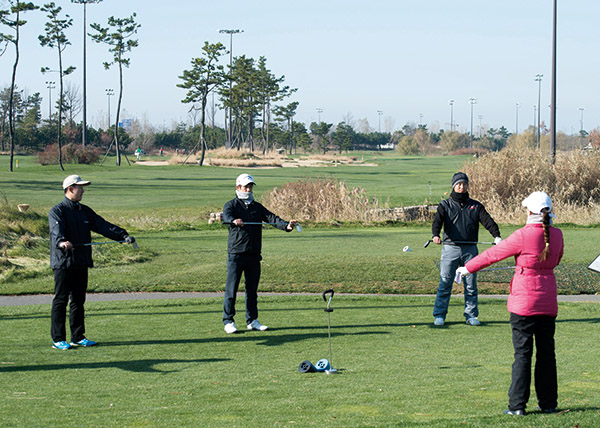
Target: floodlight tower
pixel 84 121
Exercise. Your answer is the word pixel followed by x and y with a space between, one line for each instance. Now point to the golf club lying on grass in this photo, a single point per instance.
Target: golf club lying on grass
pixel 460 242
pixel 458 277
pixel 135 244
pixel 298 227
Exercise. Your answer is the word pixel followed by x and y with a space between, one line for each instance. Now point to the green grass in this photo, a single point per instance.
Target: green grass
pixel 195 191
pixel 349 259
pixel 169 364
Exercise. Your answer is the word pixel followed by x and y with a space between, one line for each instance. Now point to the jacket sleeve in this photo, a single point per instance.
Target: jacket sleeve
pixel 488 222
pixel 269 217
pixel 104 228
pixel 438 220
pixel 511 246
pixel 228 212
pixel 57 228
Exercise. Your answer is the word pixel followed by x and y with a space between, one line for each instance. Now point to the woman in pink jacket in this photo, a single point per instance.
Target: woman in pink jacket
pixel 537 248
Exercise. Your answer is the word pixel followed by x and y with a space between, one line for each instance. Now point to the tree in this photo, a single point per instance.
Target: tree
pixel 55 38
pixel 453 140
pixel 343 137
pixel 320 131
pixel 408 146
pixel 12 19
pixel 204 76
pixel 119 42
pixel 287 113
pixel 72 101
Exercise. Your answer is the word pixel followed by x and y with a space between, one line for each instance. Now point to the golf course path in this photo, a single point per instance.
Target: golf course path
pixel 46 299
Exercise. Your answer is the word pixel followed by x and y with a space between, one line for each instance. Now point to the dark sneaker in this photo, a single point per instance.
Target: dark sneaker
pixel 550 410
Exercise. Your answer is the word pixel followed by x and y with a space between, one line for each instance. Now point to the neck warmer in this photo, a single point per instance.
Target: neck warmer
pixel 538 219
pixel 460 197
pixel 247 197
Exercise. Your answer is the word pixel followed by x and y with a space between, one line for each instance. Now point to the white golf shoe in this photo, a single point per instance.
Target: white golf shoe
pixel 439 321
pixel 230 328
pixel 256 325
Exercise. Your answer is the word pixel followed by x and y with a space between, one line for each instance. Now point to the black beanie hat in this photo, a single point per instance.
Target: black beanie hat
pixel 458 178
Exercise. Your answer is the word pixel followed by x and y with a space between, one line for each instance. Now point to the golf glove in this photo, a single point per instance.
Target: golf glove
pixel 460 272
pixel 497 240
pixel 129 239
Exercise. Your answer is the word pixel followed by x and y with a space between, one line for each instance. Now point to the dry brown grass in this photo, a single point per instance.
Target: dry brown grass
pixel 501 180
pixel 233 158
pixel 324 200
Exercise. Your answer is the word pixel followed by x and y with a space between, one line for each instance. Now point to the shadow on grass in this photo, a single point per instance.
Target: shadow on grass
pixel 138 366
pixel 260 338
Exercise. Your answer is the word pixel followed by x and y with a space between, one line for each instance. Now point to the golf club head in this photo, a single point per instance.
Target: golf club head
pixel 135 245
pixel 331 371
pixel 299 228
pixel 427 243
pixel 322 365
pixel 306 367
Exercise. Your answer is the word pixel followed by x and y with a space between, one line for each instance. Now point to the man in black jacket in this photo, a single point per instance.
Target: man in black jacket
pixel 70 225
pixel 243 248
pixel 460 216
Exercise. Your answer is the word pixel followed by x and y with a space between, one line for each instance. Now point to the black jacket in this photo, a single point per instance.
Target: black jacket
pixel 248 239
pixel 461 221
pixel 73 222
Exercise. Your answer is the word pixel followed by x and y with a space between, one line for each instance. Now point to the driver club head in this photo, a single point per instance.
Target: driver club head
pixel 427 244
pixel 135 245
pixel 299 228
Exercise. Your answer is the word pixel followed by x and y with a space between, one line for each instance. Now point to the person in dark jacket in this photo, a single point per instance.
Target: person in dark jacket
pixel 71 224
pixel 243 251
pixel 459 216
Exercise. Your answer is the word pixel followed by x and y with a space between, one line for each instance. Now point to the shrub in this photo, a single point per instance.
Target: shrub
pixel 71 153
pixel 323 200
pixel 501 180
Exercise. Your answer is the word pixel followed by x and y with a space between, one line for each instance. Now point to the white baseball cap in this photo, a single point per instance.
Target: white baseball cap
pixel 72 180
pixel 244 179
pixel 538 201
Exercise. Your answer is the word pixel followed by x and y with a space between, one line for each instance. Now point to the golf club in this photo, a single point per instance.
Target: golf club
pixel 460 242
pixel 298 227
pixel 87 244
pixel 330 369
pixel 458 277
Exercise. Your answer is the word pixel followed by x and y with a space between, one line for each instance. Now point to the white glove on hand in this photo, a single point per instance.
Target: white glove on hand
pixel 460 272
pixel 497 240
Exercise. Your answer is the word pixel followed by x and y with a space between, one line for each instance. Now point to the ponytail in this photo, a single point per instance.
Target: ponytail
pixel 546 222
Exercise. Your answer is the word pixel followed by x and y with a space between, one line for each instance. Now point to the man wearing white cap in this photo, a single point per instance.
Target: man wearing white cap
pixel 70 225
pixel 243 248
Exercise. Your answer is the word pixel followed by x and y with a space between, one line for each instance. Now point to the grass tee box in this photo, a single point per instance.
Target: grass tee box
pixel 169 364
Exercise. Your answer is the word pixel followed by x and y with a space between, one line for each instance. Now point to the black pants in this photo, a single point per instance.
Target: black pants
pixel 249 264
pixel 69 283
pixel 524 328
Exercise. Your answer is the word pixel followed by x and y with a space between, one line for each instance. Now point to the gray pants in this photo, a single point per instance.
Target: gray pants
pixel 454 256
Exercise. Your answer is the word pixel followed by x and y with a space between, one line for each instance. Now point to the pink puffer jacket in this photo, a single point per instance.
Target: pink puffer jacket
pixel 533 287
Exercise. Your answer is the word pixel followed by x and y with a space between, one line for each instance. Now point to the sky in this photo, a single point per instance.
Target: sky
pixel 348 58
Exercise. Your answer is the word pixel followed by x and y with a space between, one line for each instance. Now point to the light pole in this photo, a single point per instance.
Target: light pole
pixel 480 117
pixel 379 112
pixel 451 102
pixel 553 91
pixel 50 85
pixel 420 118
pixel 517 121
pixel 472 101
pixel 109 93
pixel 581 125
pixel 231 33
pixel 84 122
pixel 538 78
pixel 319 111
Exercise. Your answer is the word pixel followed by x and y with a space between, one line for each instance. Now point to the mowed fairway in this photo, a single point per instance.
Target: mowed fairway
pixel 169 364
